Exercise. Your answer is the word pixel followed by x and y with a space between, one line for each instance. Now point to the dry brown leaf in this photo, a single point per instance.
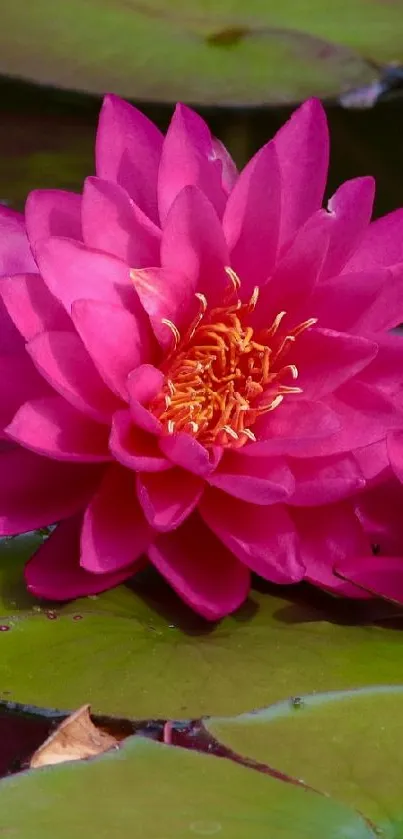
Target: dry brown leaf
pixel 76 738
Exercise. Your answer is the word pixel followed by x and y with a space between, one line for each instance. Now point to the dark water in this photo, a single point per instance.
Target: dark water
pixel 46 140
pixel 25 729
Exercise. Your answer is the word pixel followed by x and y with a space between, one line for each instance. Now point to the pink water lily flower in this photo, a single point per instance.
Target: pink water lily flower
pixel 195 364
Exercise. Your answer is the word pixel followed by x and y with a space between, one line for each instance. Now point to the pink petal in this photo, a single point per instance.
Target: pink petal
pixel 263 539
pixel 36 491
pixel 54 571
pixel 229 173
pixel 133 447
pixel 165 295
pixel 381 576
pixel 386 310
pixel 202 571
pixel 64 362
pixel 326 359
pixel 19 381
pixel 385 371
pixel 350 211
pixel 6 445
pixel 252 217
pixel 114 338
pixel 373 462
pixel 71 271
pixel 11 342
pixel 113 223
pixel 143 385
pixel 31 305
pixel 365 416
pixel 52 427
pixel 15 252
pixel 193 244
pixel 380 514
pixel 53 212
pixel 184 450
pixel 349 300
pixel 395 452
pixel 381 246
pixel 324 480
pixel 188 158
pixel 256 480
pixel 290 427
pixel 294 278
pixel 329 536
pixel 168 498
pixel 115 532
pixel 302 147
pixel 144 419
pixel 128 150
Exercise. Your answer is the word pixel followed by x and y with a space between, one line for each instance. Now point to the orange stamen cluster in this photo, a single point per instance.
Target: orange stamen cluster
pixel 220 376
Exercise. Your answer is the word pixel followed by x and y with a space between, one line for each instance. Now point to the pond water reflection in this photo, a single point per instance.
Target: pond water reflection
pixel 46 140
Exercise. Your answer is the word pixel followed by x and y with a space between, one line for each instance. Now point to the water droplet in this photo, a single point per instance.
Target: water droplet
pixel 206 828
pixel 77 617
pixel 4 627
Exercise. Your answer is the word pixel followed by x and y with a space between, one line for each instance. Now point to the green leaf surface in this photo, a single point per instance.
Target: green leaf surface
pixel 204 52
pixel 138 652
pixel 14 552
pixel 347 745
pixel 16 602
pixel 153 791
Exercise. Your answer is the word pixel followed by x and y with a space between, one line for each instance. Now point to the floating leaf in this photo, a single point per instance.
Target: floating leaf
pixel 14 552
pixel 345 744
pixel 139 653
pixel 155 791
pixel 202 52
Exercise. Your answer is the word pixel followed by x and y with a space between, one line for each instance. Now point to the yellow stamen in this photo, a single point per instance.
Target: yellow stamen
pixel 254 298
pixel 230 431
pixel 233 277
pixel 248 433
pixel 174 329
pixel 221 376
pixel 203 300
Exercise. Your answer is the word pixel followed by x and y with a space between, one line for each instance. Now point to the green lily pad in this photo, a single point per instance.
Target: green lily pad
pixel 14 552
pixel 203 52
pixel 138 652
pixel 16 602
pixel 158 792
pixel 347 745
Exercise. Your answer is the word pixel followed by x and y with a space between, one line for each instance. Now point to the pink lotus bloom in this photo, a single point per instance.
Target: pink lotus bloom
pixel 196 365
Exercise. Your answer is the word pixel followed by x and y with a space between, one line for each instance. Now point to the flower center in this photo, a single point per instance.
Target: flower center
pixel 221 376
